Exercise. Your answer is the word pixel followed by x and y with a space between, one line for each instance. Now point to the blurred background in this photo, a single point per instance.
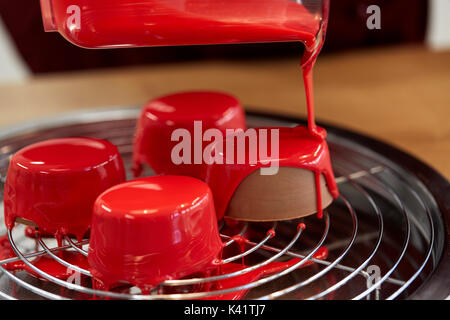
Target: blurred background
pixel 392 83
pixel 28 50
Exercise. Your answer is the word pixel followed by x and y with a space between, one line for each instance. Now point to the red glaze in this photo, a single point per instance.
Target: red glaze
pixel 297 148
pixel 56 269
pixel 136 23
pixel 252 276
pixel 162 116
pixel 33 233
pixel 153 229
pixel 43 262
pixel 7 252
pixel 54 183
pixel 244 279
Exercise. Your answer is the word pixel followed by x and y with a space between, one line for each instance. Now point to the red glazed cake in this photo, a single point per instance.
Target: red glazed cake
pixel 162 116
pixel 296 149
pixel 54 183
pixel 153 229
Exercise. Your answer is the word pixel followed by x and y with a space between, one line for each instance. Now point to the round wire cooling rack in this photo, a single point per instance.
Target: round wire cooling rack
pixel 385 237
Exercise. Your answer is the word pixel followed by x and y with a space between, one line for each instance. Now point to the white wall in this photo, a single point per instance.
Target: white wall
pixel 438 34
pixel 12 68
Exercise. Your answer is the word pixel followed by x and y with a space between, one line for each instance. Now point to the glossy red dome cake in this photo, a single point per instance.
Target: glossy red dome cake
pixel 162 116
pixel 296 148
pixel 54 183
pixel 153 229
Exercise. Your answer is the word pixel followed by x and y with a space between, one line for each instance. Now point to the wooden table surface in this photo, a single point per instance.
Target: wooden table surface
pixel 400 95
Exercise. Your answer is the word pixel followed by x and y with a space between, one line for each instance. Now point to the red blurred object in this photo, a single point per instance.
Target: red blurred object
pixel 54 183
pixel 143 234
pixel 138 23
pixel 49 52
